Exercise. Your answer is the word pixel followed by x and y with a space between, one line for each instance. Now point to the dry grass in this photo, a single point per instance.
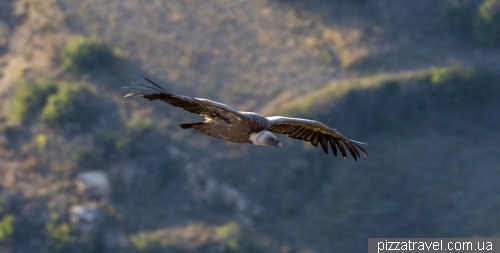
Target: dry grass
pixel 244 49
pixel 34 42
pixel 319 100
pixel 279 59
pixel 349 45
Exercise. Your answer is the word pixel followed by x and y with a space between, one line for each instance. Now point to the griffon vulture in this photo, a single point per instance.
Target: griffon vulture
pixel 225 122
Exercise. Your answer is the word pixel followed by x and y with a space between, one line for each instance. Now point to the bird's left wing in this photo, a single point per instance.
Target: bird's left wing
pixel 315 133
pixel 200 106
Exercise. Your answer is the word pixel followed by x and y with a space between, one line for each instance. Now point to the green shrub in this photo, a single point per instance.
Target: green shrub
pixel 454 74
pixel 487 23
pixel 231 233
pixel 87 55
pixel 454 85
pixel 6 226
pixel 236 239
pixel 59 236
pixel 29 98
pixel 6 223
pixel 72 103
pixel 482 21
pixel 144 242
pixel 61 106
pixel 55 102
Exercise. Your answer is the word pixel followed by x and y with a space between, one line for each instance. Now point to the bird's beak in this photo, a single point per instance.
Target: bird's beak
pixel 279 145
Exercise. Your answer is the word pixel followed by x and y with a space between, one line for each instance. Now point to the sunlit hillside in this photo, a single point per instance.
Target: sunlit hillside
pixel 83 169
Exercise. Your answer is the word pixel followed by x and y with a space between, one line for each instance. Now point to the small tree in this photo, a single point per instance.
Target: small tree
pixel 59 235
pixel 6 223
pixel 57 103
pixel 87 55
pixel 487 23
pixel 73 103
pixel 30 97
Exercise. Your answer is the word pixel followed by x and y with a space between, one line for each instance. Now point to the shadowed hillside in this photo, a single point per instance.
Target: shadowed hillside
pixel 83 169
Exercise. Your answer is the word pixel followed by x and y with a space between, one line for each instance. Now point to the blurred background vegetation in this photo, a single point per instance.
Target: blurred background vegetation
pixel 83 169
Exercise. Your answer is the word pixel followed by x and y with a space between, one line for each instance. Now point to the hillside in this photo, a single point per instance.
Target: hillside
pixel 83 169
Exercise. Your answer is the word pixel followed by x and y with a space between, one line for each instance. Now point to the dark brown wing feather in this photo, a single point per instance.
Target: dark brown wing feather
pixel 316 133
pixel 200 106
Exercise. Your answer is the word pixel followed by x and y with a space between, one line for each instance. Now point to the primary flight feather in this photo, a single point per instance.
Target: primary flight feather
pixel 224 122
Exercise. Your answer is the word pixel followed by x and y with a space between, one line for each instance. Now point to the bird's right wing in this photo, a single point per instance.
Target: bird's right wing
pixel 316 133
pixel 200 106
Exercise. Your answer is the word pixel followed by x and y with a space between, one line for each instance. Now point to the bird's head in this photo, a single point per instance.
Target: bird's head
pixel 264 138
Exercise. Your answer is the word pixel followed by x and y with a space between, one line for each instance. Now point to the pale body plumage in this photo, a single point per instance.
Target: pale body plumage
pixel 225 122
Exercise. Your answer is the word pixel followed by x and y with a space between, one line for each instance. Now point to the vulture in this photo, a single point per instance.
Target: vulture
pixel 224 122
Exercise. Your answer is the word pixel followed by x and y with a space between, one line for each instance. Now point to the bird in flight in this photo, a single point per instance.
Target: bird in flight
pixel 224 122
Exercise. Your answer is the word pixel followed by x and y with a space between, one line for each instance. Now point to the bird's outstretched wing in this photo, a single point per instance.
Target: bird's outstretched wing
pixel 315 133
pixel 200 106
